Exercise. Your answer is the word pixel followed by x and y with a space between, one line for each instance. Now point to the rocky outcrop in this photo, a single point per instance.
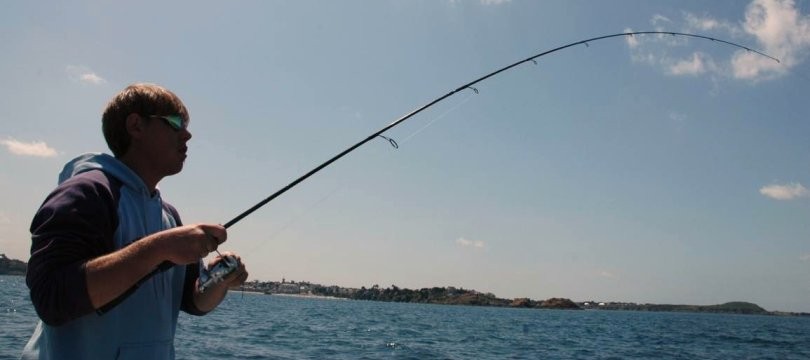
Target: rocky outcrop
pixel 11 266
pixel 522 303
pixel 559 303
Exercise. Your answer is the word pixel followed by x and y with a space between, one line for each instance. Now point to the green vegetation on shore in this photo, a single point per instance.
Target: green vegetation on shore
pixel 434 295
pixel 456 296
pixel 460 296
pixel 734 307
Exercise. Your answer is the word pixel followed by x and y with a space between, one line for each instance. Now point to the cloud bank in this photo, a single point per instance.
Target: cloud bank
pixel 35 148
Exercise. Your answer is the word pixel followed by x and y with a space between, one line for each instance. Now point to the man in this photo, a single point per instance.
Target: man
pixel 111 264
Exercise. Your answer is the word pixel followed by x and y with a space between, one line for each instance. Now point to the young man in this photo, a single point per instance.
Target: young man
pixel 111 264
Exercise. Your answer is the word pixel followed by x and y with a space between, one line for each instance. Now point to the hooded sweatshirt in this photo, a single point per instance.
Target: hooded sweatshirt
pixel 101 206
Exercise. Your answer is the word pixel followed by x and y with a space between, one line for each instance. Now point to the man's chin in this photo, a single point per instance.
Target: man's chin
pixel 176 170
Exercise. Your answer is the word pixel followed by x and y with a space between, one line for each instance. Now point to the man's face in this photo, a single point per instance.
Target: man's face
pixel 166 143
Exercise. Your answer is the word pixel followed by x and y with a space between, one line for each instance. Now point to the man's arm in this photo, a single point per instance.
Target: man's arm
pixel 74 267
pixel 75 223
pixel 111 275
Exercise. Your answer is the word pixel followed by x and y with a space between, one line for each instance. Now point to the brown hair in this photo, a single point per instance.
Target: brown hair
pixel 141 99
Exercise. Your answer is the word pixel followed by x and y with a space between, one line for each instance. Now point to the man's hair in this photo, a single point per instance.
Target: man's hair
pixel 141 99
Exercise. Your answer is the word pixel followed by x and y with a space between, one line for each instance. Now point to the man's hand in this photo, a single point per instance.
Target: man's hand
pixel 208 300
pixel 237 277
pixel 111 275
pixel 187 244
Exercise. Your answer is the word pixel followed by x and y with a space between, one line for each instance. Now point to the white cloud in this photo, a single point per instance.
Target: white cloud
pixel 84 75
pixel 784 192
pixel 632 41
pixel 805 257
pixel 659 20
pixel 699 64
pixel 34 148
pixel 707 23
pixel 478 244
pixel 676 116
pixel 783 32
pixel 607 274
pixel 776 26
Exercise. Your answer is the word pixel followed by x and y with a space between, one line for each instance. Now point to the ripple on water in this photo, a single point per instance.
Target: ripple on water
pixel 268 327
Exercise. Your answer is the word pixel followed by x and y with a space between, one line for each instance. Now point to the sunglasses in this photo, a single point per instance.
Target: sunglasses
pixel 175 121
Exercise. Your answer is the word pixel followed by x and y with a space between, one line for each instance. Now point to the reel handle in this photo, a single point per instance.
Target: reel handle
pixel 210 277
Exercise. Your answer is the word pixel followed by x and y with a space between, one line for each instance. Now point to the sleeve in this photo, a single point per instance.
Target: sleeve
pixel 75 224
pixel 192 273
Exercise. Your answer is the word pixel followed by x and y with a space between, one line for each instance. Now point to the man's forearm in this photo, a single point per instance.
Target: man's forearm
pixel 209 300
pixel 113 274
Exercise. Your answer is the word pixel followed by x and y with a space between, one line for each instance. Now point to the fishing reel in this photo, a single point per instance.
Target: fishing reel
pixel 227 265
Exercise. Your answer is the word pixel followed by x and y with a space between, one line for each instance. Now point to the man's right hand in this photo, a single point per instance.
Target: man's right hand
pixel 188 244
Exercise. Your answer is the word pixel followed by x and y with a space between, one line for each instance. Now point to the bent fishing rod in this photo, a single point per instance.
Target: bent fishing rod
pixel 229 263
pixel 469 86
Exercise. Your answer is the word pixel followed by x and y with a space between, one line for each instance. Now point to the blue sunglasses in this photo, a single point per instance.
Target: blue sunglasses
pixel 175 121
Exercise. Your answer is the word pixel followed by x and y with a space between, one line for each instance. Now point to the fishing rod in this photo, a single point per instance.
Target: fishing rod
pixel 229 263
pixel 469 86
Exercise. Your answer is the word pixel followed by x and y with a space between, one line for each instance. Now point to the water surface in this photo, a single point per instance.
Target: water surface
pixel 253 326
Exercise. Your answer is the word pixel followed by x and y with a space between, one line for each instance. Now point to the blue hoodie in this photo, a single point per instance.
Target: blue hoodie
pixel 101 206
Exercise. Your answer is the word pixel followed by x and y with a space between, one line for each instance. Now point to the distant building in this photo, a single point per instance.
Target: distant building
pixel 289 288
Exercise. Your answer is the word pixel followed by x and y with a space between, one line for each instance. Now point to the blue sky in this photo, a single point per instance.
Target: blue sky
pixel 645 169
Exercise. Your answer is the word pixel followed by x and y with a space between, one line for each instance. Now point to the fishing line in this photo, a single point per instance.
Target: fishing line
pixel 229 263
pixel 298 216
pixel 469 86
pixel 442 115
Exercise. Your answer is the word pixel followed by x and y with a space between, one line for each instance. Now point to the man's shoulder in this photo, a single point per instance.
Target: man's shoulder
pixel 93 179
pixel 90 186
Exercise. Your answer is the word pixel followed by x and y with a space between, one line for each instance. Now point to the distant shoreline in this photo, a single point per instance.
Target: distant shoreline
pixel 308 296
pixel 249 292
pixel 452 296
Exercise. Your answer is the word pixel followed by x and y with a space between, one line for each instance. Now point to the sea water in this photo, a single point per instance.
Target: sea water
pixel 256 326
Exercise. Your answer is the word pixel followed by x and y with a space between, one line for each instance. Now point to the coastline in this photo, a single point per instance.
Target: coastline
pixel 249 292
pixel 308 296
pixel 450 296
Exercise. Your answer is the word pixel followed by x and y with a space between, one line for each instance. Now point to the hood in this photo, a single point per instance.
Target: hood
pixel 106 163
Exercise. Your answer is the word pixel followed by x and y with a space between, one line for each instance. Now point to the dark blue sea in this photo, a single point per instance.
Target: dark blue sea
pixel 255 326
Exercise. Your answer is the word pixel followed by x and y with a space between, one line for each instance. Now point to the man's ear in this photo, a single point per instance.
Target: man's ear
pixel 135 125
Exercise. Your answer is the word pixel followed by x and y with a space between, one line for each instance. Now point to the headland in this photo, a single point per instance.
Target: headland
pixel 454 296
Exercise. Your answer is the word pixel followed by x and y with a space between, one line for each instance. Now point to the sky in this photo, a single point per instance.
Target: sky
pixel 649 169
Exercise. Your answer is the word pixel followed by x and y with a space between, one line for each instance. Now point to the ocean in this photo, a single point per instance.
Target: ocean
pixel 256 326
